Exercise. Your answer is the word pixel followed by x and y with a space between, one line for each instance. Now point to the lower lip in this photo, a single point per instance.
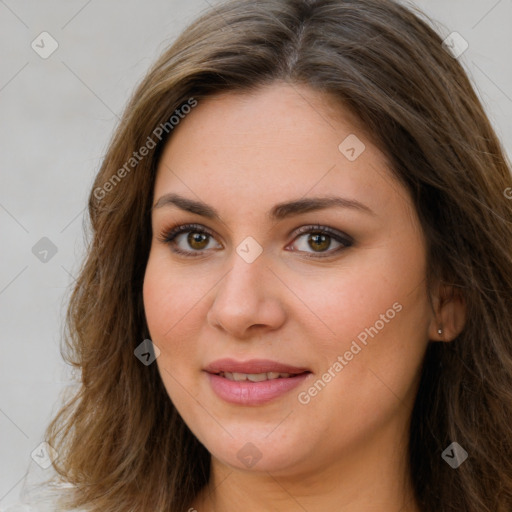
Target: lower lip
pixel 253 393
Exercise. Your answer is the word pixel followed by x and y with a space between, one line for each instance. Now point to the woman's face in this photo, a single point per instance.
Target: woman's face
pixel 340 306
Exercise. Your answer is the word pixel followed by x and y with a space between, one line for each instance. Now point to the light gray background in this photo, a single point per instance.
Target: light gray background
pixel 57 115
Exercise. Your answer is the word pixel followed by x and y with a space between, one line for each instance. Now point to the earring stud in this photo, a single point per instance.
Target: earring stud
pixel 439 331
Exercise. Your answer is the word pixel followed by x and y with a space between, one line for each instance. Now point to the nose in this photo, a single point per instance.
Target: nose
pixel 248 300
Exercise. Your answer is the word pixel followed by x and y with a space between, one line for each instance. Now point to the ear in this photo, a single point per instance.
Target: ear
pixel 449 314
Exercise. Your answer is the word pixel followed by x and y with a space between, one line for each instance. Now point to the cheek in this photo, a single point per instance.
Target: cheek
pixel 377 311
pixel 169 296
pixel 164 303
pixel 367 290
pixel 156 302
pixel 173 305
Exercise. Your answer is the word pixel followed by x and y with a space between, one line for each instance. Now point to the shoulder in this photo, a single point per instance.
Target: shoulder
pixel 19 507
pixel 48 503
pixel 41 491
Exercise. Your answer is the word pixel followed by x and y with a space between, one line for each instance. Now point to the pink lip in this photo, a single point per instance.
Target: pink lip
pixel 253 393
pixel 252 366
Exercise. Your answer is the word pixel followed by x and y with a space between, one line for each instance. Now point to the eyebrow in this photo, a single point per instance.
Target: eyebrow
pixel 279 212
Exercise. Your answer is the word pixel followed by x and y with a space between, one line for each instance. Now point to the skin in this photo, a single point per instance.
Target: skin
pixel 345 449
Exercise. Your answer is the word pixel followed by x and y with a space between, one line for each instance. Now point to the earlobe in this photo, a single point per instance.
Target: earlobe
pixel 449 315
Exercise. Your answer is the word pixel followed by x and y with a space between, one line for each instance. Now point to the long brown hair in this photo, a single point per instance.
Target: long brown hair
pixel 120 440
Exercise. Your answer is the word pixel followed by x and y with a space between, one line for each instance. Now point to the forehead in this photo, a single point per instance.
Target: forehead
pixel 253 149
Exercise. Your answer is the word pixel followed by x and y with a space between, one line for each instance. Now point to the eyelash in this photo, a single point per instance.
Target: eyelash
pixel 168 235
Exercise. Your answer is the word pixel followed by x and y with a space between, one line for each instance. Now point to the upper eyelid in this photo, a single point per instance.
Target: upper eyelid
pixel 300 231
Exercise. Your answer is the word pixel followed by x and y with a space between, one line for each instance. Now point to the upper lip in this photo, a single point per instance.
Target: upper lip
pixel 252 366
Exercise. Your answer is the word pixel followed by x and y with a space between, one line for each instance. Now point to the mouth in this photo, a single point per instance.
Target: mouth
pixel 273 369
pixel 253 382
pixel 257 377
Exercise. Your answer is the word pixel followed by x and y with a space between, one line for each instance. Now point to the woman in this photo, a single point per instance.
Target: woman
pixel 299 286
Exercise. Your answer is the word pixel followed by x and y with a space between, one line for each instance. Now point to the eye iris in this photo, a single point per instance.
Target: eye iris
pixel 197 238
pixel 321 239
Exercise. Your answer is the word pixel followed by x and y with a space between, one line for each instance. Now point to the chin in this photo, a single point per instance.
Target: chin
pixel 255 452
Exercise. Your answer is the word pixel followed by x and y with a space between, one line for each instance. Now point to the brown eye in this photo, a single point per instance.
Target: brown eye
pixel 319 239
pixel 319 242
pixel 197 240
